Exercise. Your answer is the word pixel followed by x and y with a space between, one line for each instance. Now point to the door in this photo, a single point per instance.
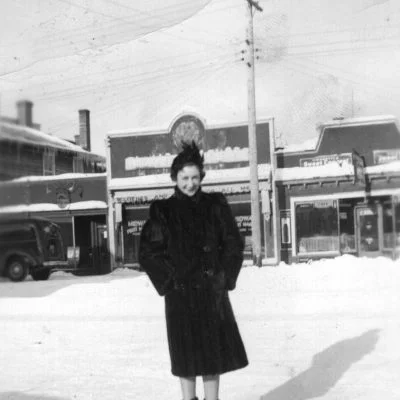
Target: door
pixel 369 230
pixel 100 254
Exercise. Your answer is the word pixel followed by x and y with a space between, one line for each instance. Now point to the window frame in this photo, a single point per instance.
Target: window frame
pixel 49 154
pixel 294 228
pixel 78 161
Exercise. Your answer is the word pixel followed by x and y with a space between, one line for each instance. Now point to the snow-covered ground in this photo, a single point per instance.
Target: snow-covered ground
pixel 327 330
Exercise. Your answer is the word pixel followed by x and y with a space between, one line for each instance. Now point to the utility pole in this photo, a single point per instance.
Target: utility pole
pixel 253 164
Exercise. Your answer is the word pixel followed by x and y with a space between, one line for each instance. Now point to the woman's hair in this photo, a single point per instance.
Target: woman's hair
pixel 190 155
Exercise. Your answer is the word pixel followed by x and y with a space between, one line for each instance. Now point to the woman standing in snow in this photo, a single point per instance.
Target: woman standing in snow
pixel 192 251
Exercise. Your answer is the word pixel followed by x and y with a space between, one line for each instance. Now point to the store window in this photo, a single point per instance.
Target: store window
pixel 286 228
pixel 133 219
pixel 347 235
pixel 317 227
pixel 388 226
pixel 242 214
pixel 53 242
pixel 397 224
pixel 78 164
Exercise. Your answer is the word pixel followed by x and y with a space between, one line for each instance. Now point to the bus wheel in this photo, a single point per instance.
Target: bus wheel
pixel 17 269
pixel 41 274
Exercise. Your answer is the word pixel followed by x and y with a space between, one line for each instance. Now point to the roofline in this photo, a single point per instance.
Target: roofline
pixel 359 121
pixel 55 145
pixel 166 130
pixel 50 178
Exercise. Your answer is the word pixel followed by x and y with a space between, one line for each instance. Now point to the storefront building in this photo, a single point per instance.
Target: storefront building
pixel 343 196
pixel 76 202
pixel 138 165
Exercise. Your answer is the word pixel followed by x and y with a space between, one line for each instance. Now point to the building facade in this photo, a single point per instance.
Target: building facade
pixel 27 151
pixel 43 175
pixel 341 197
pixel 138 172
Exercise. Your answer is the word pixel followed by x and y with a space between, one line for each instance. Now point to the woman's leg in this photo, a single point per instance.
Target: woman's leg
pixel 188 386
pixel 211 387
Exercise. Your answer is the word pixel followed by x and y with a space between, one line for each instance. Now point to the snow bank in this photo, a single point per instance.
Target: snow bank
pixel 326 330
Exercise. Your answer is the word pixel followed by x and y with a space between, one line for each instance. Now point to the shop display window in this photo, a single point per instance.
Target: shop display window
pixel 242 214
pixel 317 227
pixel 286 227
pixel 397 224
pixel 347 235
pixel 134 218
pixel 388 226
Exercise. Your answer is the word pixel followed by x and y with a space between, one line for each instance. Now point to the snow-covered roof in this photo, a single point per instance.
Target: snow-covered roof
pixel 332 170
pixel 212 177
pixel 40 178
pixel 307 145
pixel 34 137
pixel 375 119
pixel 312 144
pixel 323 171
pixel 40 207
pixel 383 169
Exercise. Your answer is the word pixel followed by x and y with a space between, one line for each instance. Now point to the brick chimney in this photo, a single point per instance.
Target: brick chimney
pixel 24 112
pixel 84 129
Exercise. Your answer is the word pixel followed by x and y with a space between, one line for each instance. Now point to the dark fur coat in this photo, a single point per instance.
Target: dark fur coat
pixel 192 251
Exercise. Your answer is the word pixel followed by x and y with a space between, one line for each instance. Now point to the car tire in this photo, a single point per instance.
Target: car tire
pixel 17 269
pixel 40 274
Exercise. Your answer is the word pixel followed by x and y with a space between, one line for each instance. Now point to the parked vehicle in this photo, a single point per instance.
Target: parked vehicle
pixel 30 246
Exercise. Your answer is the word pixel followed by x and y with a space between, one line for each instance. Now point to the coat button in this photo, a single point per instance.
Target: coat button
pixel 206 249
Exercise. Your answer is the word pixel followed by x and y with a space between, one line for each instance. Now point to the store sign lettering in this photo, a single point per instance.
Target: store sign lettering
pixel 344 158
pixel 138 200
pixel 244 224
pixel 148 196
pixel 367 211
pixel 386 156
pixel 324 203
pixel 135 227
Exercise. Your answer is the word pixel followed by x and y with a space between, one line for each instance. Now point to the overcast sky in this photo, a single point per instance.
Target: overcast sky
pixel 139 64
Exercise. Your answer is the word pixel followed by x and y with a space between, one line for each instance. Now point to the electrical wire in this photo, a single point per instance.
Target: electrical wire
pixel 133 80
pixel 159 61
pixel 124 101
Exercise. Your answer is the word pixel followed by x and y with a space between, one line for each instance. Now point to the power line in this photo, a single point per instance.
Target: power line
pixel 163 60
pixel 156 91
pixel 128 82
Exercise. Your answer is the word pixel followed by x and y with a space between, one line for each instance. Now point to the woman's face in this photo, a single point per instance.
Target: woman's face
pixel 188 180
